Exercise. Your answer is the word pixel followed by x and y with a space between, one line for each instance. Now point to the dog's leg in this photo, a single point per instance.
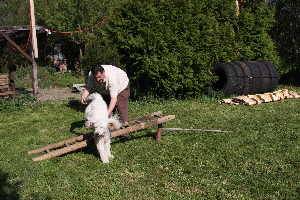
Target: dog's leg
pixel 109 155
pixel 100 143
pixel 107 146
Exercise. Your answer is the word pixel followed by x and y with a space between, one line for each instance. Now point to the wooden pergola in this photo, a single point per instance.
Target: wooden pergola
pixel 9 33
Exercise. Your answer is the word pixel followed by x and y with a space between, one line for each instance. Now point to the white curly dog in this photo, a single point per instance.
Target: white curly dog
pixel 96 114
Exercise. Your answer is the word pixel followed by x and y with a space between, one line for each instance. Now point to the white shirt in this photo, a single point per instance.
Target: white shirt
pixel 114 82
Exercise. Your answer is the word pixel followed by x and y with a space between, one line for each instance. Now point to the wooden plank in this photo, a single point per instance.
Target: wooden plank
pixel 7 93
pixel 62 143
pixel 142 118
pixel 15 28
pixel 142 125
pixel 64 150
pixel 4 84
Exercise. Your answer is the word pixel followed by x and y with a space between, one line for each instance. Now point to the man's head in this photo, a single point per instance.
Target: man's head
pixel 98 72
pixel 97 68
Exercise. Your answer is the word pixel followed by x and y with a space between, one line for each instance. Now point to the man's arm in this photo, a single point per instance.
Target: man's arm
pixel 86 92
pixel 112 104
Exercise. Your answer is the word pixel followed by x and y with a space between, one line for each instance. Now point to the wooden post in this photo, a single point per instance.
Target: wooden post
pixel 237 10
pixel 158 133
pixel 33 30
pixel 11 65
pixel 34 50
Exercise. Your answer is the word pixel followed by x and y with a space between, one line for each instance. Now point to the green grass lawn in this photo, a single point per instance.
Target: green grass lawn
pixel 259 159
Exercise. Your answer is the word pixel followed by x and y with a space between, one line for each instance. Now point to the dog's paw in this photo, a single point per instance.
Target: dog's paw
pixel 110 156
pixel 105 161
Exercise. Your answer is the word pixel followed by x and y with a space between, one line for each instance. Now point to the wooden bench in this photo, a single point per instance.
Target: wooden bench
pixel 6 88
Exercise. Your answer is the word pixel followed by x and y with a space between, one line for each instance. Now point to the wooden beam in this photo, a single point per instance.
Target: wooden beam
pixel 142 125
pixel 11 65
pixel 64 150
pixel 14 28
pixel 16 46
pixel 62 143
pixel 34 49
pixel 142 118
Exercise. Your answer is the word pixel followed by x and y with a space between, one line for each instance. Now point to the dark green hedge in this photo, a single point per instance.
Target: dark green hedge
pixel 169 46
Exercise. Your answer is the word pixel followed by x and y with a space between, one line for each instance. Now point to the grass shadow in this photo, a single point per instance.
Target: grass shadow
pixel 132 137
pixel 8 190
pixel 76 105
pixel 75 125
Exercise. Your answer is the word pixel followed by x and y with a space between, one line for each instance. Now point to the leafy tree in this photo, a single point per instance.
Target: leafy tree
pixel 285 34
pixel 253 25
pixel 14 12
pixel 75 16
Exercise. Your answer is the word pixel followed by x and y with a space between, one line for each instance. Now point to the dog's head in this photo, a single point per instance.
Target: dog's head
pixel 93 96
pixel 100 129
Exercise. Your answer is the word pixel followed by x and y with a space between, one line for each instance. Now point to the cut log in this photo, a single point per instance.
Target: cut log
pixel 64 150
pixel 62 143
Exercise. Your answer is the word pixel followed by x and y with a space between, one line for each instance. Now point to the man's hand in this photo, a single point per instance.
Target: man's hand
pixel 83 101
pixel 86 92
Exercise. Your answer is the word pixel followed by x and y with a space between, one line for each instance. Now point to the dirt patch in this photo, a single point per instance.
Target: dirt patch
pixel 56 94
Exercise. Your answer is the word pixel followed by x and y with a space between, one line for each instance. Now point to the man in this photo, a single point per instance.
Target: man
pixel 113 84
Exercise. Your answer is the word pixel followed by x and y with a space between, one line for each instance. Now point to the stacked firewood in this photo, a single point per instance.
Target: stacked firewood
pixel 261 98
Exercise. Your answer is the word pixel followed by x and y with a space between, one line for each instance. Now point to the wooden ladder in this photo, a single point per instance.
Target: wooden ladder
pixel 81 141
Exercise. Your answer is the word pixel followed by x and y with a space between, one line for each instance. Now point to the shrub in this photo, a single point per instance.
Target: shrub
pixel 169 46
pixel 22 100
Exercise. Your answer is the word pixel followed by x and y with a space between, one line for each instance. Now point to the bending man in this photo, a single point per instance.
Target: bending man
pixel 113 84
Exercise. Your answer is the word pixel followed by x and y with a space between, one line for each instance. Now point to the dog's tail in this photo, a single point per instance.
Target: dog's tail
pixel 114 122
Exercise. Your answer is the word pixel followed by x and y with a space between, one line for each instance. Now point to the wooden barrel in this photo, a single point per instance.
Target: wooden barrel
pixel 244 77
